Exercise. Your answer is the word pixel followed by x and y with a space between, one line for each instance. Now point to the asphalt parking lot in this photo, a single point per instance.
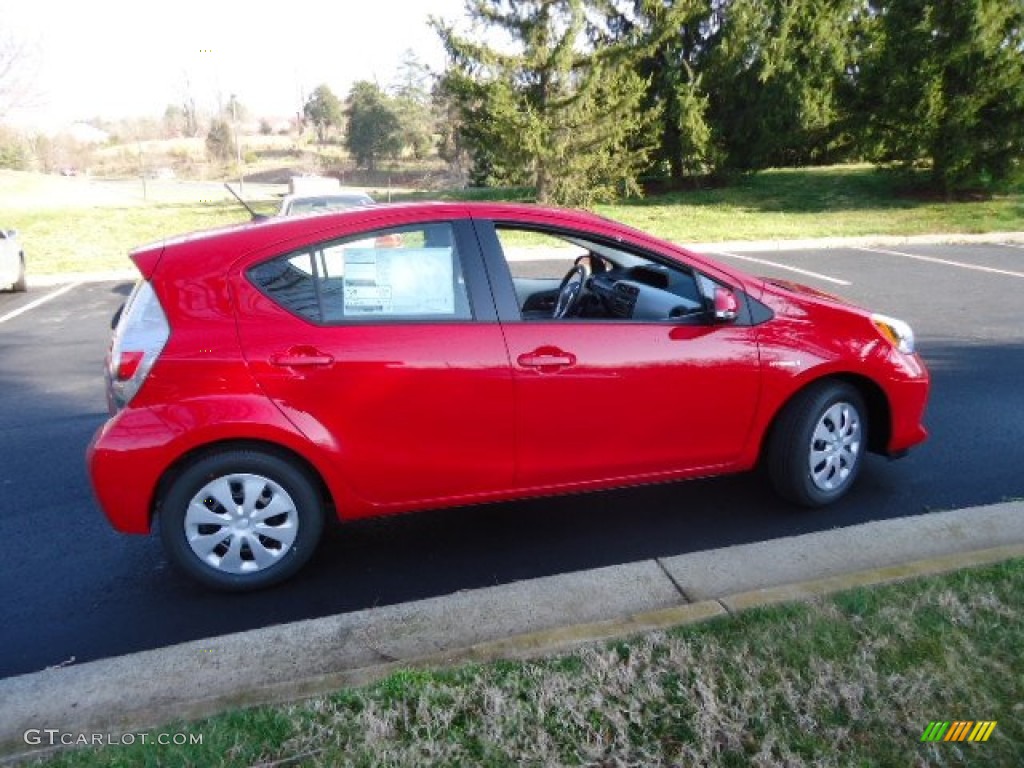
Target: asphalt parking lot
pixel 76 591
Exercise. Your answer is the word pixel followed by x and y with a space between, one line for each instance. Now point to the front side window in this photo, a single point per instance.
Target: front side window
pixel 412 273
pixel 562 276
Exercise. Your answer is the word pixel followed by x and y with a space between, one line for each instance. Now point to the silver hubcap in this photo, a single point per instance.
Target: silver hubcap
pixel 241 523
pixel 835 446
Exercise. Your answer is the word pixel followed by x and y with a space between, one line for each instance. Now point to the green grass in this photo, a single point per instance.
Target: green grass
pixel 849 680
pixel 72 225
pixel 796 203
pixel 84 225
pixel 820 202
pixel 97 239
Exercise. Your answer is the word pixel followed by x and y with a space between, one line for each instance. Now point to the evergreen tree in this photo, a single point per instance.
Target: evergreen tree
pixel 323 110
pixel 220 143
pixel 564 104
pixel 412 105
pixel 484 128
pixel 945 82
pixel 774 77
pixel 173 121
pixel 745 84
pixel 374 129
pixel 676 35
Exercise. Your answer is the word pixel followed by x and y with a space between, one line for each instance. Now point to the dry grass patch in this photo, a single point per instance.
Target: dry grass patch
pixel 851 680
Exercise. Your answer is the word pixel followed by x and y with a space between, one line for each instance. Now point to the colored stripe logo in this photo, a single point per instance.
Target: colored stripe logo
pixel 959 730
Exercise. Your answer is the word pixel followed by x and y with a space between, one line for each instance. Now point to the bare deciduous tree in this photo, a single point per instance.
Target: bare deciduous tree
pixel 188 107
pixel 19 65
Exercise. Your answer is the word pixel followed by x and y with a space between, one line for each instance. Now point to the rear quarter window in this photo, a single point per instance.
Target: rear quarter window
pixel 409 273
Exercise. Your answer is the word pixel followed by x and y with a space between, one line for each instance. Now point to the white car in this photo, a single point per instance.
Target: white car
pixel 12 261
pixel 294 205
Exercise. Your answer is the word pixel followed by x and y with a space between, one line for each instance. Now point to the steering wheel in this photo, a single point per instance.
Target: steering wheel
pixel 570 293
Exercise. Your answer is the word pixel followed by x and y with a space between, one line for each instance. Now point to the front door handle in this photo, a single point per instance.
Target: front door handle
pixel 301 357
pixel 547 359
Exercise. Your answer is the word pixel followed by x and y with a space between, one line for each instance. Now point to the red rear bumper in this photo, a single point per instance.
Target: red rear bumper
pixel 125 460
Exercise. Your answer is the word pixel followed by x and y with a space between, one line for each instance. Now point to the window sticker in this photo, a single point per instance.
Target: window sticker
pixel 402 281
pixel 333 261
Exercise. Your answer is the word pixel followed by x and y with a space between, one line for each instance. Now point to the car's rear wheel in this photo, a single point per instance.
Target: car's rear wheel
pixel 21 284
pixel 817 447
pixel 241 520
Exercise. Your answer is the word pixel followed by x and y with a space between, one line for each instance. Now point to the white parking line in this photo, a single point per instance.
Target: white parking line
pixel 946 262
pixel 768 263
pixel 38 302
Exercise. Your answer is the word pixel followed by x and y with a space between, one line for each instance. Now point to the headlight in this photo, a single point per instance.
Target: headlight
pixel 897 332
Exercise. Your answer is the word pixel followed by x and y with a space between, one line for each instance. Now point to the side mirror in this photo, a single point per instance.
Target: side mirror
pixel 727 306
pixel 12 233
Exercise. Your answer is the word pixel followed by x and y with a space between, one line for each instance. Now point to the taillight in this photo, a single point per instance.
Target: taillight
pixel 128 365
pixel 139 338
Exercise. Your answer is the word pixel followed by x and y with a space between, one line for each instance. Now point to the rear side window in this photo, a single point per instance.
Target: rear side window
pixel 410 273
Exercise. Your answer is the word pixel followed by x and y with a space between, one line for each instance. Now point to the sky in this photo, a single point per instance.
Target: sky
pixel 115 58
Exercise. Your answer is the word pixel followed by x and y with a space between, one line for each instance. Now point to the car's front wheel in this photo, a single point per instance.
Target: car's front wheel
pixel 241 520
pixel 817 447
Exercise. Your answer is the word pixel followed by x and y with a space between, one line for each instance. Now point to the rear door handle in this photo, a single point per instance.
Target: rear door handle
pixel 547 359
pixel 301 357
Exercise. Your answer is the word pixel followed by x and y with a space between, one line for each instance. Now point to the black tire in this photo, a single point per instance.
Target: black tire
pixel 797 476
pixel 235 472
pixel 20 285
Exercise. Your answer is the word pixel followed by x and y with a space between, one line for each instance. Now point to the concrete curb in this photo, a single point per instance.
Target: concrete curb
pixel 141 691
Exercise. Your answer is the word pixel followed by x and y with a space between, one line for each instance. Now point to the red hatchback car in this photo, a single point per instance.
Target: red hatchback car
pixel 395 358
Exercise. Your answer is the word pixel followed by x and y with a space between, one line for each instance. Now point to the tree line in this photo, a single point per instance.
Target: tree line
pixel 589 100
pixel 585 98
pixel 379 123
